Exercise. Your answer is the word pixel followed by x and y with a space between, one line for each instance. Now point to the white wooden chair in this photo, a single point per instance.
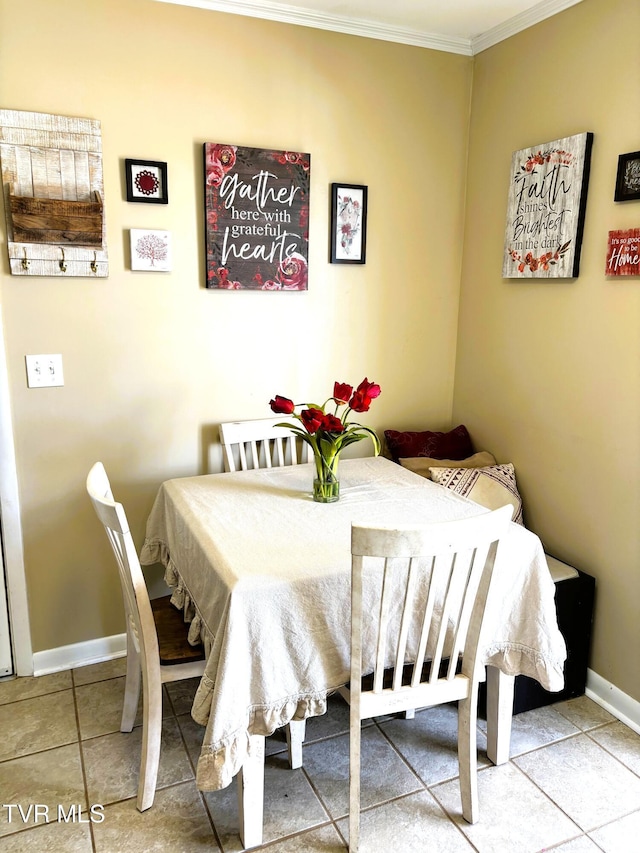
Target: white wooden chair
pixel 260 444
pixel 157 646
pixel 417 566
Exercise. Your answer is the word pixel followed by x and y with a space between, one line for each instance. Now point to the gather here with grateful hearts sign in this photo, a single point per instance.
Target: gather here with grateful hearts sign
pixel 256 218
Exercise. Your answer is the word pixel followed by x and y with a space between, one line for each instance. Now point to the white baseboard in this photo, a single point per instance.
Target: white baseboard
pixel 613 700
pixel 79 654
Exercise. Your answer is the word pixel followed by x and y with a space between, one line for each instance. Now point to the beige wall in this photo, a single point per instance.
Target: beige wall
pixel 153 362
pixel 548 372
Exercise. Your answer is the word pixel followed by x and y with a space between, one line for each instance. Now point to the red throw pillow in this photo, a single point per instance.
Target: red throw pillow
pixel 455 444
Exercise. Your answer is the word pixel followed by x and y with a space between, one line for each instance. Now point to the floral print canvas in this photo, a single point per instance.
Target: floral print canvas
pixel 256 218
pixel 546 208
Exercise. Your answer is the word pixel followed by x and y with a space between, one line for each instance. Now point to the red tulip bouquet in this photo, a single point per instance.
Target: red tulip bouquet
pixel 328 433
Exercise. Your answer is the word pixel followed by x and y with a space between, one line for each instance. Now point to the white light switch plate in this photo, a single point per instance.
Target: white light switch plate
pixel 44 371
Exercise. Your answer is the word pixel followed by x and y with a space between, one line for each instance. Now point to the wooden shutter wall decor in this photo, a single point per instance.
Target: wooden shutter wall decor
pixel 53 189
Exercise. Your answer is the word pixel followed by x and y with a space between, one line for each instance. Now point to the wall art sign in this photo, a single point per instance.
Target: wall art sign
pixel 623 252
pixel 256 218
pixel 146 181
pixel 628 177
pixel 546 209
pixel 348 223
pixel 150 250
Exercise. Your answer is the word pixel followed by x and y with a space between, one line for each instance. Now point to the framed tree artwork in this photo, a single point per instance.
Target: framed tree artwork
pixel 150 250
pixel 546 209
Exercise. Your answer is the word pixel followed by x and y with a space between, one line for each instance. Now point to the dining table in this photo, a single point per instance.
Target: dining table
pixel 262 573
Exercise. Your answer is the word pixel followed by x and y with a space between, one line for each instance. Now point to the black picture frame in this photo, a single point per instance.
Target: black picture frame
pixel 348 217
pixel 146 181
pixel 628 177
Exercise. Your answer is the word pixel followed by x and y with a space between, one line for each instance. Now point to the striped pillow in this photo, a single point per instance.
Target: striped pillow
pixel 492 487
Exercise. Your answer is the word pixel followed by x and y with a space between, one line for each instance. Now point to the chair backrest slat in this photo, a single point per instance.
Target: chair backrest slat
pixel 255 454
pixel 465 606
pixel 260 443
pixel 278 452
pixel 434 572
pixel 383 626
pixel 291 449
pixel 403 635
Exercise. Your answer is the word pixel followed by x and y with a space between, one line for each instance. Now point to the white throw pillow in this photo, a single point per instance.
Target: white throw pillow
pixel 422 464
pixel 492 487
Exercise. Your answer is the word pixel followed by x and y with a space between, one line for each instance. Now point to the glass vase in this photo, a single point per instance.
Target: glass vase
pixel 326 485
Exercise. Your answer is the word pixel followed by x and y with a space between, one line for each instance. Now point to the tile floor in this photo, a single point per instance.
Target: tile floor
pixel 572 785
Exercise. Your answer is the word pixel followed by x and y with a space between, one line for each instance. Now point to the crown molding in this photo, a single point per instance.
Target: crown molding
pixel 286 14
pixel 540 12
pixel 336 23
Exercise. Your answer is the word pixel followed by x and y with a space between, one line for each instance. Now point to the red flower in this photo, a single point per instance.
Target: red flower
pixel 225 155
pixel 215 174
pixel 330 423
pixel 282 405
pixel 360 402
pixel 369 388
pixel 292 272
pixel 325 432
pixel 312 419
pixel 363 395
pixel 342 392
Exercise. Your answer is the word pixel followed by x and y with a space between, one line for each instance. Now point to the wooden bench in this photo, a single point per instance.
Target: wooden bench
pixel 575 592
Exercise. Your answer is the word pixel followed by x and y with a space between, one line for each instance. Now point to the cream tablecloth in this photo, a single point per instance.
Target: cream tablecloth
pixel 263 574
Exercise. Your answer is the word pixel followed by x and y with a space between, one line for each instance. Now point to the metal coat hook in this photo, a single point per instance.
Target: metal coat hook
pixel 62 264
pixel 94 265
pixel 25 260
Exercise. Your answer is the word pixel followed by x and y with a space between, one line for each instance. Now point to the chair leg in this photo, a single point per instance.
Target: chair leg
pixel 500 689
pixel 151 737
pixel 131 688
pixel 295 739
pixel 468 755
pixel 251 793
pixel 354 784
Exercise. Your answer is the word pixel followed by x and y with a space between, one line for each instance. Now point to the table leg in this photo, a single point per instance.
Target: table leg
pixel 499 713
pixel 251 793
pixel 295 738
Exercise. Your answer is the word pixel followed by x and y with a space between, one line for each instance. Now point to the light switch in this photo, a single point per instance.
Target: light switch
pixel 44 371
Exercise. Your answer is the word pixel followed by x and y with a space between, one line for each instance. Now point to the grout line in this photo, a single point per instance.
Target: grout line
pixel 548 796
pixel 200 793
pixel 423 785
pixel 607 750
pixel 82 761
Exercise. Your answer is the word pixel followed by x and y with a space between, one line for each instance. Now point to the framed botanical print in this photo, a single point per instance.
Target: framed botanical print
pixel 348 223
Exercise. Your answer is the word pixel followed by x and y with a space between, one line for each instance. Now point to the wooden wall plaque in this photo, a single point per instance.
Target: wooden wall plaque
pixel 53 189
